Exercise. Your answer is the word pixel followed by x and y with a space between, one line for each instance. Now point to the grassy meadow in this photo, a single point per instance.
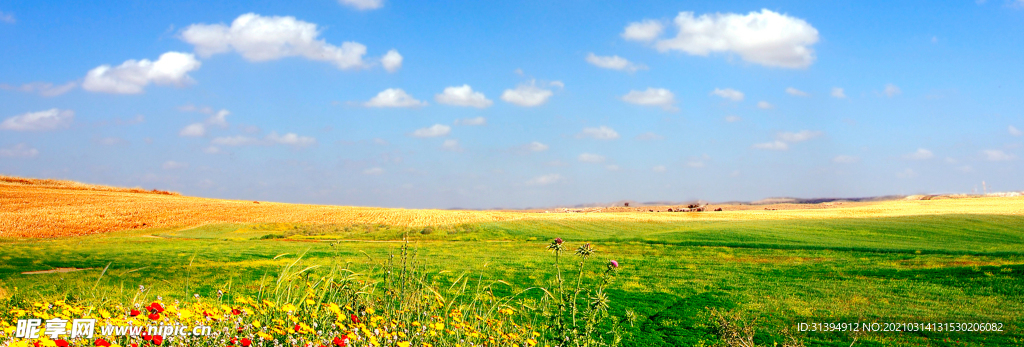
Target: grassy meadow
pixel 769 275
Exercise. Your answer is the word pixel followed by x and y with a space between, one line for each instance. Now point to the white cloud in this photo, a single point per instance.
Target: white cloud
pixel 536 147
pixel 645 31
pixel 463 96
pixel 237 140
pixel 7 17
pixel 219 118
pixel 590 158
pixel 659 168
pixel 1014 131
pixel 696 164
pixel 43 88
pixel 767 38
pixel 39 121
pixel 132 76
pixel 796 92
pixel 212 150
pixel 471 121
pixel 435 130
pixel 649 136
pixel 260 38
pixel 394 97
pixel 612 167
pixel 997 155
pixel 373 171
pixel 728 93
pixel 773 146
pixel 526 95
pixel 908 173
pixel 614 63
pixel 392 61
pixel 173 165
pixel 451 145
pixel 920 154
pixel 545 180
pixel 193 130
pixel 20 150
pixel 652 97
pixel 291 139
pixel 733 119
pixel 764 105
pixel 600 133
pixel 838 93
pixel 363 5
pixel 845 159
pixel 558 84
pixel 892 90
pixel 800 136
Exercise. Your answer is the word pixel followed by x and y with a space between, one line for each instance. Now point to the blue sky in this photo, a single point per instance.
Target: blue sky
pixel 515 104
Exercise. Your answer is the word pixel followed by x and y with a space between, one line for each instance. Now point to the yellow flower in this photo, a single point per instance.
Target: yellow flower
pixel 265 336
pixel 531 342
pixel 403 344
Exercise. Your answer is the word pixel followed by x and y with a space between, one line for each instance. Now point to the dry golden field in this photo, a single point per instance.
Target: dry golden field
pixel 48 208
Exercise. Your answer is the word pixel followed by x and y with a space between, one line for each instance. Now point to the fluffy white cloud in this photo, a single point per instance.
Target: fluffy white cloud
pixel 796 92
pixel 536 147
pixel 363 5
pixel 591 158
pixel 237 140
pixel 463 96
pixel 838 93
pixel 614 62
pixel 471 121
pixel 892 90
pixel 652 97
pixel 174 165
pixel 767 38
pixel 645 31
pixel 373 171
pixel 263 38
pixel 845 159
pixel 435 130
pixel 997 155
pixel 773 146
pixel 451 145
pixel 733 119
pixel 392 61
pixel 600 133
pixel 920 154
pixel 545 180
pixel 394 97
pixel 728 93
pixel 132 76
pixel 193 130
pixel 1014 131
pixel 764 105
pixel 20 150
pixel 527 95
pixel 291 139
pixel 39 121
pixel 42 88
pixel 800 136
pixel 219 118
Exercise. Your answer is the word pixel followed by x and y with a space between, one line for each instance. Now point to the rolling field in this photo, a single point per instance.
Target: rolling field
pixel 956 260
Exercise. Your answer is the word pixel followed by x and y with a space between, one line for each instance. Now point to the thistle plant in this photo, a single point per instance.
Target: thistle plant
pixel 575 321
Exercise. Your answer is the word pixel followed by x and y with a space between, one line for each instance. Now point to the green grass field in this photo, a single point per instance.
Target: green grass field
pixel 773 274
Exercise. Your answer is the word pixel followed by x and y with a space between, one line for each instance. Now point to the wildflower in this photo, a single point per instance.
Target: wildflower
pixel 235 311
pixel 556 245
pixel 246 342
pixel 585 250
pixel 134 313
pixel 61 343
pixel 340 342
pixel 156 307
pixel 613 264
pixel 101 343
pixel 355 319
pixel 154 316
pixel 158 340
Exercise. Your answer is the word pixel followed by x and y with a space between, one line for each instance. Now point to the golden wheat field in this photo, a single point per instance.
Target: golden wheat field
pixel 51 208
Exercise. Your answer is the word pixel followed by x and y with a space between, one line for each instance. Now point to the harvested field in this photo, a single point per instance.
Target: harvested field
pixel 48 208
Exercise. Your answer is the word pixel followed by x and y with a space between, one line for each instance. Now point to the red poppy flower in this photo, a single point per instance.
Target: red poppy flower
pixel 157 339
pixel 146 336
pixel 236 311
pixel 156 307
pixel 134 313
pixel 234 340
pixel 101 343
pixel 62 343
pixel 355 319
pixel 135 345
pixel 297 328
pixel 339 342
pixel 246 342
pixel 207 314
pixel 154 316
